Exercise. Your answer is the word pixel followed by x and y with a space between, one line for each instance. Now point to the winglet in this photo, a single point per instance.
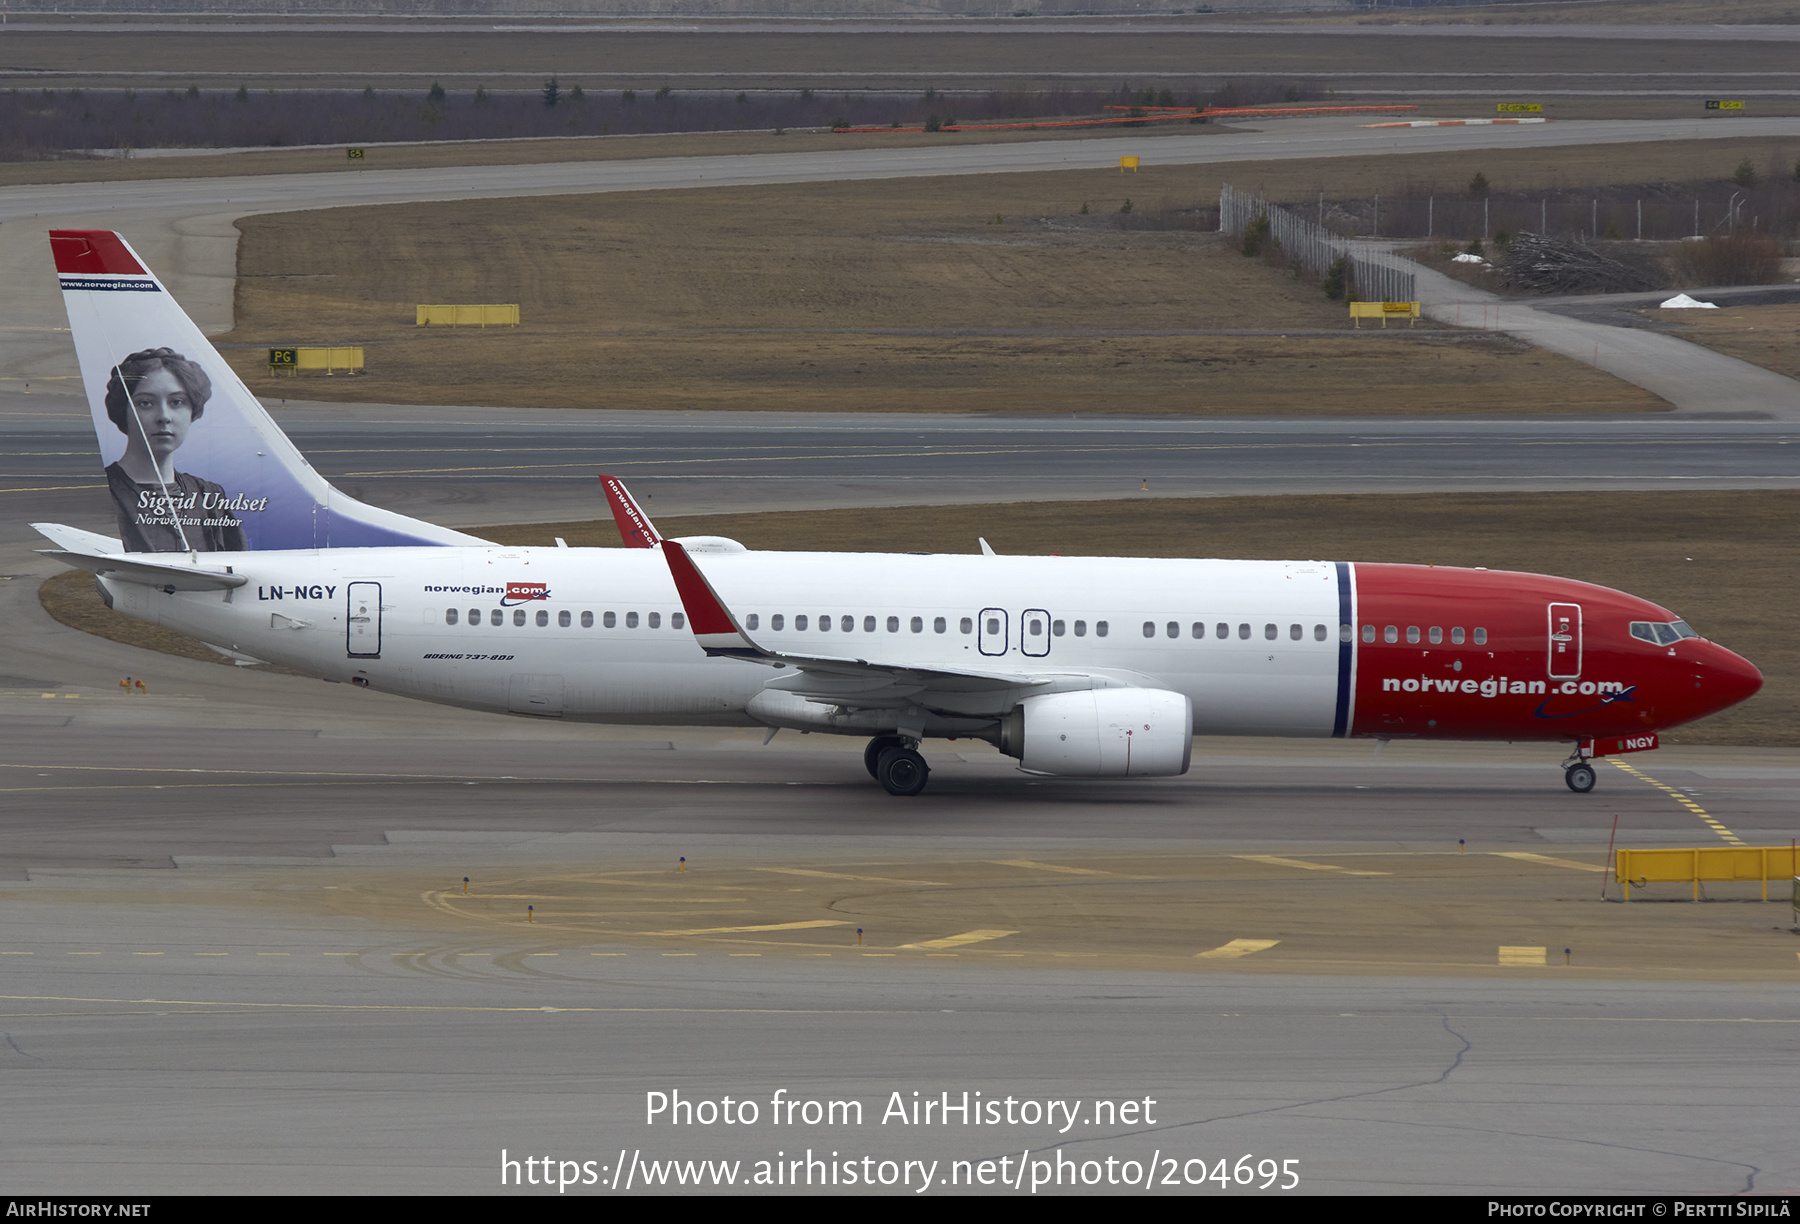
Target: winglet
pixel 635 527
pixel 715 628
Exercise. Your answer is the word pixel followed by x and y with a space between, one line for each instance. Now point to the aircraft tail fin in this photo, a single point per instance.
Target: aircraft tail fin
pixel 193 462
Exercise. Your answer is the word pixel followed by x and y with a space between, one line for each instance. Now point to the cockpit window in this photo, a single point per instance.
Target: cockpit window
pixel 1659 634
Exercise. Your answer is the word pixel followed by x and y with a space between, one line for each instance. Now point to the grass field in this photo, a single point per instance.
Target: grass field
pixel 818 295
pixel 1728 562
pixel 1768 336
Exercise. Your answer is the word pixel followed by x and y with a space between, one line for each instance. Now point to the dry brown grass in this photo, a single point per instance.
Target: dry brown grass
pixel 762 298
pixel 1768 336
pixel 1729 562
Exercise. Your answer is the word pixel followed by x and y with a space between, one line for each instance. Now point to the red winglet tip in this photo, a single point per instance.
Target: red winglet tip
pixel 93 253
pixel 634 525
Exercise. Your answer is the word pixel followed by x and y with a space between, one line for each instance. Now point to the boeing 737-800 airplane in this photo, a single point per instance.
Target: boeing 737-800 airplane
pixel 1076 666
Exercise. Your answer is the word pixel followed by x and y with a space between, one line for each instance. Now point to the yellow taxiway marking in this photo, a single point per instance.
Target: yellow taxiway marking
pixel 1545 858
pixel 834 875
pixel 1521 956
pixel 1277 861
pixel 957 941
pixel 1675 794
pixel 146 953
pixel 212 954
pixel 743 954
pixel 590 954
pixel 1237 948
pixel 1031 866
pixel 773 926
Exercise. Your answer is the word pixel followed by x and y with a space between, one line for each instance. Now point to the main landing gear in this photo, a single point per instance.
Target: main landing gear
pixel 896 764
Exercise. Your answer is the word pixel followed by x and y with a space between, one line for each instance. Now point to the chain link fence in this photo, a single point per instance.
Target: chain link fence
pixel 1376 274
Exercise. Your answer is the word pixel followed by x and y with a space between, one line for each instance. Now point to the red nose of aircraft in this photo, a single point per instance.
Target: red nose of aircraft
pixel 1721 679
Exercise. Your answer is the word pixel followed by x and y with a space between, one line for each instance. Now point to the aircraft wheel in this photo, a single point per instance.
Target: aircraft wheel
pixel 902 771
pixel 1580 778
pixel 877 746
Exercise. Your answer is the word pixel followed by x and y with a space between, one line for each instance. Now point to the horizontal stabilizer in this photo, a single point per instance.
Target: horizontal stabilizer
pixel 74 539
pixel 145 573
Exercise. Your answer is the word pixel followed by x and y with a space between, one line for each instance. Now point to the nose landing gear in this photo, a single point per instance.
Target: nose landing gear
pixel 896 764
pixel 1580 778
pixel 1578 774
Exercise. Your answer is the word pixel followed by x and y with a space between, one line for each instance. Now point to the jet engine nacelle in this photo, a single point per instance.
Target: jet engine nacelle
pixel 1102 733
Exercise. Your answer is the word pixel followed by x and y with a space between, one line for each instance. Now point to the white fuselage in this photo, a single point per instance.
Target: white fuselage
pixel 598 634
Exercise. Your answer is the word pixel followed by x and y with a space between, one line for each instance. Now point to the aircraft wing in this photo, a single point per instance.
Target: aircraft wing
pixel 858 683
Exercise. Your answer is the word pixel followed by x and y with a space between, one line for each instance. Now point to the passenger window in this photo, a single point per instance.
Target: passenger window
pixel 1198 630
pixel 939 625
pixel 1412 634
pixel 1368 633
pixel 1437 635
pixel 968 625
pixel 1056 628
pixel 1099 628
pixel 1294 631
pixel 449 616
pixel 563 619
pixel 1481 637
pixel 1390 635
pixel 518 616
pixel 543 618
pixel 918 624
pixel 1172 629
pixel 1271 632
pixel 610 620
pixel 631 620
pixel 825 623
pixel 677 620
pixel 750 622
pixel 893 624
pixel 474 616
pixel 1456 636
pixel 1080 628
pixel 1222 631
pixel 993 626
pixel 587 620
pixel 1037 626
pixel 655 620
pixel 1243 633
pixel 777 621
pixel 1150 629
pixel 868 624
pixel 497 617
pixel 849 622
pixel 1319 633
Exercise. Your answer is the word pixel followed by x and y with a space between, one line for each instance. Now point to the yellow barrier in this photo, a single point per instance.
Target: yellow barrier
pixel 468 316
pixel 1128 163
pixel 1711 863
pixel 1383 311
pixel 348 360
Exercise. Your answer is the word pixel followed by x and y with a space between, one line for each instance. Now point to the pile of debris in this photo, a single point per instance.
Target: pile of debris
pixel 1535 263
